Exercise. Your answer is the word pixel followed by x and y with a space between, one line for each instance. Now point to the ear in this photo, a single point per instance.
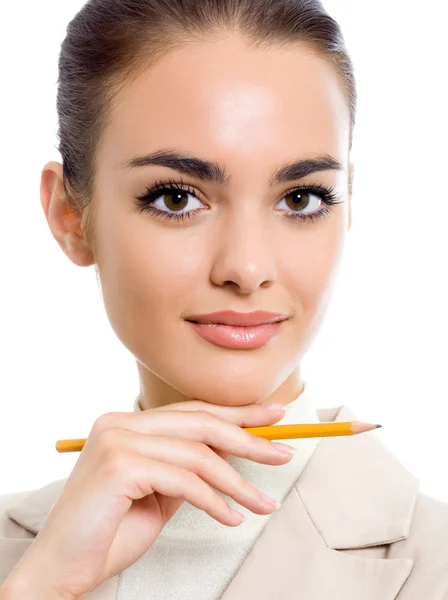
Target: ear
pixel 63 219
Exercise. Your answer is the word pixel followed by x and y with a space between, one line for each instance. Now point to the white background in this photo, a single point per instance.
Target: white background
pixel 383 347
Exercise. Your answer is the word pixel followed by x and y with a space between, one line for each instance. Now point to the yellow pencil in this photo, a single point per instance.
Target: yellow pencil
pixel 305 430
pixel 269 432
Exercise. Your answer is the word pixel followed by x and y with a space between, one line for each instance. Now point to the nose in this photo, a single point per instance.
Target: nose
pixel 244 253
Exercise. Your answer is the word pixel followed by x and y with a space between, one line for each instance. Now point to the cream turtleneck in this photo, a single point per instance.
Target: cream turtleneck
pixel 195 557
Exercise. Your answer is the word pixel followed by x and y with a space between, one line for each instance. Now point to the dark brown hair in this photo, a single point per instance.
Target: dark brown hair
pixel 110 42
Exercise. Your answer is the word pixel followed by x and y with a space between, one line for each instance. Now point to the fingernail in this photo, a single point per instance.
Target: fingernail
pixel 284 448
pixel 277 407
pixel 269 500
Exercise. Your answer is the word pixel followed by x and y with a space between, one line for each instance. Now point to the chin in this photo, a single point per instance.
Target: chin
pixel 233 392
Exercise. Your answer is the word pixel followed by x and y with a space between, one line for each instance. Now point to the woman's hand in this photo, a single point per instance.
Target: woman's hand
pixel 134 472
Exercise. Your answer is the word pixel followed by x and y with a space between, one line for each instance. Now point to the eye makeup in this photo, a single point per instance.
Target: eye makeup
pixel 172 188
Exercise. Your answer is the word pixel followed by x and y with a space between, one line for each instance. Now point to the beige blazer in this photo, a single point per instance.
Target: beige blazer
pixel 354 527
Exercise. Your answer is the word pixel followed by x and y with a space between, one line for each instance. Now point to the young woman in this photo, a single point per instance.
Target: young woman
pixel 206 174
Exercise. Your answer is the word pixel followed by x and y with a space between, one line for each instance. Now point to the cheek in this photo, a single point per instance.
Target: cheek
pixel 147 274
pixel 312 271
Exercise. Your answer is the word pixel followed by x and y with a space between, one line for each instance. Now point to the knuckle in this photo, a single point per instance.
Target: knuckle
pixel 203 453
pixel 253 445
pixel 206 420
pixel 108 442
pixel 189 479
pixel 116 462
pixel 255 441
pixel 103 422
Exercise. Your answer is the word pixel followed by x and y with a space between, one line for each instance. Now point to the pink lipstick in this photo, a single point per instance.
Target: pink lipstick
pixel 230 329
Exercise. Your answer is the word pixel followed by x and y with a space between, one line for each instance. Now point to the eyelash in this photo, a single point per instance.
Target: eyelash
pixel 144 202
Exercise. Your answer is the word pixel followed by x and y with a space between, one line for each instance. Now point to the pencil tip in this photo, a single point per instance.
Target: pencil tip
pixel 378 426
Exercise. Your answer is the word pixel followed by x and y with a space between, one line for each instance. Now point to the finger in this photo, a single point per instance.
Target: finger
pixel 250 415
pixel 149 476
pixel 200 426
pixel 203 461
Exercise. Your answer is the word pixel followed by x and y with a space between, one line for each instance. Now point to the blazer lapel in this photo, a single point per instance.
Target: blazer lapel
pixel 353 494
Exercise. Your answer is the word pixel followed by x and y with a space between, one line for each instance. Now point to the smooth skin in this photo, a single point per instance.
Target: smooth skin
pixel 134 472
pixel 250 110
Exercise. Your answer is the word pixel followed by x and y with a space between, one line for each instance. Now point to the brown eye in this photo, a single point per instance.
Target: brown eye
pixel 298 200
pixel 169 201
pixel 176 200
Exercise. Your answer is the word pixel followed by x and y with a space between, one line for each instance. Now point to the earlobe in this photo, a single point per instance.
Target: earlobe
pixel 63 220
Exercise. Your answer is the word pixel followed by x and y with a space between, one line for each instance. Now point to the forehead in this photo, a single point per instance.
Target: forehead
pixel 222 98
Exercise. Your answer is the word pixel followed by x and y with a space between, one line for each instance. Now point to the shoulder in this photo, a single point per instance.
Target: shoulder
pixel 429 526
pixel 427 545
pixel 430 511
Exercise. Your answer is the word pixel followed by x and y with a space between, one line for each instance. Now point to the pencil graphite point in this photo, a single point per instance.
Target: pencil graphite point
pixel 378 426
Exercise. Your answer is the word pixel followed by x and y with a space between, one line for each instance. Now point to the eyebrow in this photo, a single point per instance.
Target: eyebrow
pixel 212 171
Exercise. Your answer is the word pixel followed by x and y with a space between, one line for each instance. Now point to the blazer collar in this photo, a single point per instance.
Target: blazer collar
pixel 353 494
pixel 356 492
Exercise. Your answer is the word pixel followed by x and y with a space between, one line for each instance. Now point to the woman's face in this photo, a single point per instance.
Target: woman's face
pixel 239 247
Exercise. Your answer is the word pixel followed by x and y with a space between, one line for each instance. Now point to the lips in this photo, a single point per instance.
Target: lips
pixel 236 330
pixel 238 319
